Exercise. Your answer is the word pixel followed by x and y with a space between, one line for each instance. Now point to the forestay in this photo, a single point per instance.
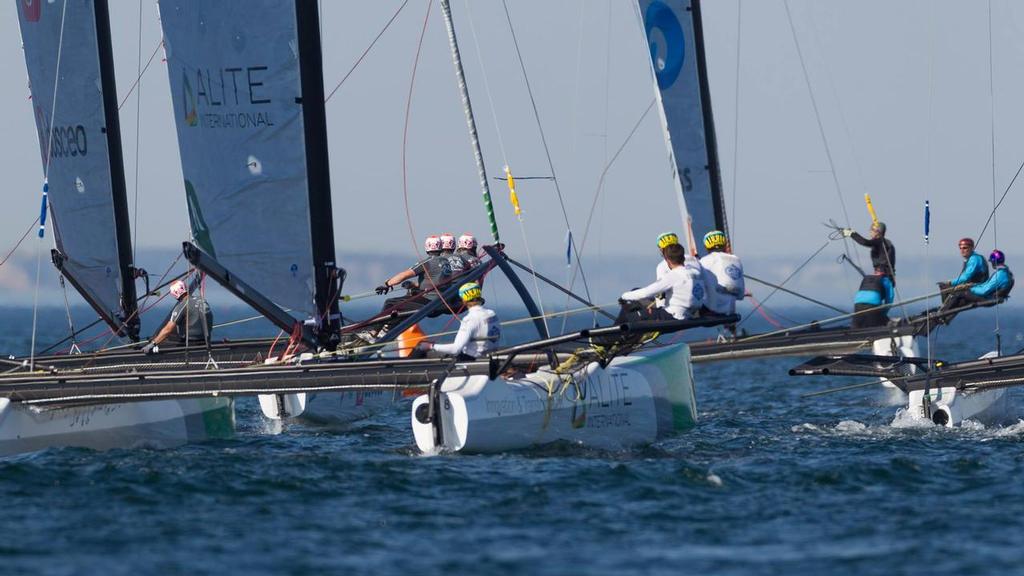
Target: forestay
pixel 79 139
pixel 236 88
pixel 674 36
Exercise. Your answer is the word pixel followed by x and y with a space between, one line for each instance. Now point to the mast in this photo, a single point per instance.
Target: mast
pixel 710 140
pixel 318 172
pixel 474 139
pixel 117 179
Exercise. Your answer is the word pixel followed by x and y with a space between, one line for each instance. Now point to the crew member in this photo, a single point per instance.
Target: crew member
pixel 430 273
pixel 997 287
pixel 974 271
pixel 455 262
pixel 479 330
pixel 682 286
pixel 723 275
pixel 871 303
pixel 191 320
pixel 467 250
pixel 883 254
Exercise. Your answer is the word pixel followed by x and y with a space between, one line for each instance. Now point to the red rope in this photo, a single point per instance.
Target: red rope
pixel 761 311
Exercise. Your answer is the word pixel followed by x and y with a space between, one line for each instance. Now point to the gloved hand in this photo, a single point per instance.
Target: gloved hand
pixel 383 289
pixel 847 232
pixel 150 348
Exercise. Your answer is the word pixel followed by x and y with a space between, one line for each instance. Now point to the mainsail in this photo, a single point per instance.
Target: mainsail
pixel 74 99
pixel 247 88
pixel 675 37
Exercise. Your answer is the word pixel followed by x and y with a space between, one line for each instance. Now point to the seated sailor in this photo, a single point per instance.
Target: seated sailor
pixel 974 270
pixel 431 273
pixel 467 250
pixel 682 285
pixel 723 275
pixel 997 287
pixel 479 330
pixel 870 304
pixel 191 320
pixel 455 262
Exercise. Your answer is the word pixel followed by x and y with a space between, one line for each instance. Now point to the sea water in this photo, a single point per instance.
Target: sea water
pixel 769 482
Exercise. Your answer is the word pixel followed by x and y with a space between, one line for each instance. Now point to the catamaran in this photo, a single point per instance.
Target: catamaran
pixel 74 99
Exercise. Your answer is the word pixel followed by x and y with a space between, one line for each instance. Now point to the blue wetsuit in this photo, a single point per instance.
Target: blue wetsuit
pixel 997 286
pixel 975 271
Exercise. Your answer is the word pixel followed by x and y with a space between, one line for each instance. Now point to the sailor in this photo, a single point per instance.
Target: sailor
pixel 883 254
pixel 974 270
pixel 479 330
pixel 723 275
pixel 997 287
pixel 455 262
pixel 682 285
pixel 190 321
pixel 430 273
pixel 466 249
pixel 870 304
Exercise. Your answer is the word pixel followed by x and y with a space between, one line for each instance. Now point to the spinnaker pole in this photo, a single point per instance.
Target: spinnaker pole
pixel 474 139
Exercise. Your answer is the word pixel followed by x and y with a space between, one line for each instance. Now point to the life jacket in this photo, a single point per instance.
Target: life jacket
pixel 872 291
pixel 1005 290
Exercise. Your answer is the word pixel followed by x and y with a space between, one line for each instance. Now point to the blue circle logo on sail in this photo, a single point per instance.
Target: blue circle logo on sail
pixel 669 63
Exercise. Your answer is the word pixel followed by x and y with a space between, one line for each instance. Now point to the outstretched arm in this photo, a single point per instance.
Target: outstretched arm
pixel 163 333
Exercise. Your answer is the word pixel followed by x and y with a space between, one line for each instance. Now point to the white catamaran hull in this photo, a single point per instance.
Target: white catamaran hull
pixel 157 424
pixel 951 407
pixel 343 407
pixel 904 346
pixel 635 400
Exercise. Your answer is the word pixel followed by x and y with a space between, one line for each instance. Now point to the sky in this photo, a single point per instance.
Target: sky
pixel 902 88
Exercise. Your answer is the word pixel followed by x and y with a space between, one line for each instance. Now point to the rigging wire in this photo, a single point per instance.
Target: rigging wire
pixel 367 51
pixel 736 122
pixel 547 150
pixel 783 283
pixel 927 182
pixel 46 180
pixel 992 118
pixel 138 78
pixel 138 124
pixel 821 126
pixel 504 156
pixel 405 150
pixel 18 244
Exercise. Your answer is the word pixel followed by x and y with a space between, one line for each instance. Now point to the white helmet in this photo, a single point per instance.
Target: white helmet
pixel 467 241
pixel 178 289
pixel 447 241
pixel 432 244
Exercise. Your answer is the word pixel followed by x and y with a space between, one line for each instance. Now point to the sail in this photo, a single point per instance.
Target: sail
pixel 237 90
pixel 75 108
pixel 675 39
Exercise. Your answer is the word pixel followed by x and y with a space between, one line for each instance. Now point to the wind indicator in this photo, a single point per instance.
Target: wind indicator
pixel 871 209
pixel 927 220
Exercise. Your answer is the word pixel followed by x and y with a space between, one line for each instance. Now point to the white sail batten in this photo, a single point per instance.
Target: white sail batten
pixel 673 32
pixel 236 87
pixel 80 149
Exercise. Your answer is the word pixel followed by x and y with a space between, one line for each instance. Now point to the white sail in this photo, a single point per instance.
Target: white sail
pixel 673 31
pixel 80 148
pixel 236 87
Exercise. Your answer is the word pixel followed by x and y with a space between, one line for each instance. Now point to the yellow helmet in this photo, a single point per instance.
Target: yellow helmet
pixel 715 239
pixel 667 239
pixel 470 291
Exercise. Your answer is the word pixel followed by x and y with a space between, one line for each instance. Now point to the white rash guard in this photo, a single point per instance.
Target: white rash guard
pixel 479 332
pixel 724 275
pixel 684 291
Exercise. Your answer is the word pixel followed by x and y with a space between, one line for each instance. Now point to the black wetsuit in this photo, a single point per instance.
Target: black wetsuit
pixel 883 253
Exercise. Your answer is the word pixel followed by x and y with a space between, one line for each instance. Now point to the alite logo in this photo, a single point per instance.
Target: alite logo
pixel 31 9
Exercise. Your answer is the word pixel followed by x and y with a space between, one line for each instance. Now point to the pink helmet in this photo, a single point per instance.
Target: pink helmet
pixel 467 241
pixel 447 241
pixel 432 244
pixel 178 289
